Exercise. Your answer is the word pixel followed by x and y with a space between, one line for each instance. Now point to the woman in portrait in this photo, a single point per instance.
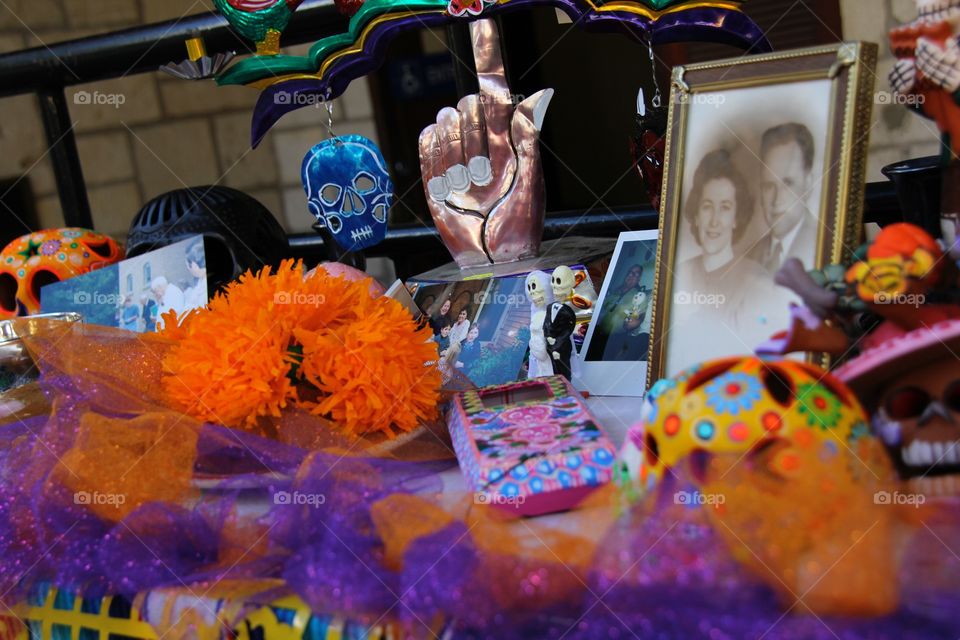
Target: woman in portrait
pixel 460 329
pixel 718 284
pixel 440 317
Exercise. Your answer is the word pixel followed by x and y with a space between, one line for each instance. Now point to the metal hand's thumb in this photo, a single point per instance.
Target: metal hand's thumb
pixel 534 108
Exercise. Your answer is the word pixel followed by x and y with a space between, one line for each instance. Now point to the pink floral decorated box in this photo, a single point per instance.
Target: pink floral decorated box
pixel 530 447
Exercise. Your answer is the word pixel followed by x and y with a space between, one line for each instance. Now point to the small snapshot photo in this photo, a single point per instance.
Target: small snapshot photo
pixel 135 293
pixel 751 199
pixel 481 327
pixel 617 345
pixel 620 331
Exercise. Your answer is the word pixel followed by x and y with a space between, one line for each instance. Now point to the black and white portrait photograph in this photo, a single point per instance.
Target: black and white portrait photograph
pixel 752 186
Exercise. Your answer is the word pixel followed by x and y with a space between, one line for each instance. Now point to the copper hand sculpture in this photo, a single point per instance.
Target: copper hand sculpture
pixel 481 165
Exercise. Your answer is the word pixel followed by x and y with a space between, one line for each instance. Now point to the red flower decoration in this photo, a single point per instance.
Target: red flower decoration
pixel 463 7
pixel 348 7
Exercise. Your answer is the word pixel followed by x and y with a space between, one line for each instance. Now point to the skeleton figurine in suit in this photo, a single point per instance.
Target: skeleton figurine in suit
pixel 560 322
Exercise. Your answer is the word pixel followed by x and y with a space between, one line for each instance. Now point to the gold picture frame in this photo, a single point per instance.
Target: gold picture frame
pixel 821 94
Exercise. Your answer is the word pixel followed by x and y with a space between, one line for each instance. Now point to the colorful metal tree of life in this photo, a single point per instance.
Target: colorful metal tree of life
pixel 291 82
pixel 259 20
pixel 349 190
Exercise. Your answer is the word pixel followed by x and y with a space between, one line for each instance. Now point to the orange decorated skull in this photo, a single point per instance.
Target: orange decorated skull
pixel 37 259
pixel 736 406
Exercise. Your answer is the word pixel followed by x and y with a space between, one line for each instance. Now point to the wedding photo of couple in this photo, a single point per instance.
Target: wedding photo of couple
pixel 751 201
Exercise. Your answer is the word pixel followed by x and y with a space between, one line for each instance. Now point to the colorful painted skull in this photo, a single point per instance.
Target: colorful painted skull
pixel 349 190
pixel 911 384
pixel 37 259
pixel 738 405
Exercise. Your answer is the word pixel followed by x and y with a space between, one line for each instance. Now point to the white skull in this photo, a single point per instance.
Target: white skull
pixel 639 299
pixel 563 282
pixel 537 283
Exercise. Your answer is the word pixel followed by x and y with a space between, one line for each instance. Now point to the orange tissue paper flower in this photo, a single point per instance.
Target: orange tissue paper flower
pixel 371 372
pixel 231 360
pixel 245 355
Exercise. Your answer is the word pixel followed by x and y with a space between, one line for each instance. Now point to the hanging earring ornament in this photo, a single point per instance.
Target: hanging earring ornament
pixel 648 145
pixel 349 190
pixel 198 65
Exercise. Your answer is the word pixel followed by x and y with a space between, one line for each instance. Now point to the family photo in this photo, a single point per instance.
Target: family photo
pixel 480 327
pixel 135 293
pixel 752 187
pixel 155 284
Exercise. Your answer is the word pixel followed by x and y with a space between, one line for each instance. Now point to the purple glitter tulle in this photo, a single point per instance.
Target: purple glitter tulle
pixel 660 571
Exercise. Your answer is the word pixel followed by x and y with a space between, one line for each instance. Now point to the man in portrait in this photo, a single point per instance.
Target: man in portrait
pixel 787 153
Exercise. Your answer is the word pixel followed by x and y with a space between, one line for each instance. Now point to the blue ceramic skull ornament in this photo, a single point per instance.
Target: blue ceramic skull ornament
pixel 349 190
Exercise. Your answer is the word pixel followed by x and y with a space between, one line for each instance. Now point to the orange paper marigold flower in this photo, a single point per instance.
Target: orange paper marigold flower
pixel 240 358
pixel 371 371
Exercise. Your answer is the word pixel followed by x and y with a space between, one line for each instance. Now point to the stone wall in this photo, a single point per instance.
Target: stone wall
pixel 142 135
pixel 896 133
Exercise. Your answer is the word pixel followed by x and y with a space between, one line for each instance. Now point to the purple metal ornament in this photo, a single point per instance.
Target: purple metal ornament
pixel 701 21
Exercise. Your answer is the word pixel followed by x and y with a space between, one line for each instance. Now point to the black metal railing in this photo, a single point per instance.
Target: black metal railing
pixel 47 70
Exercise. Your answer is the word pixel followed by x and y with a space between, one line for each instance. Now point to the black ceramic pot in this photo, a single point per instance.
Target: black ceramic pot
pixel 918 183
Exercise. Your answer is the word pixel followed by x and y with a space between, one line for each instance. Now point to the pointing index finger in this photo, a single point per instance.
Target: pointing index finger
pixel 495 100
pixel 488 59
pixel 486 50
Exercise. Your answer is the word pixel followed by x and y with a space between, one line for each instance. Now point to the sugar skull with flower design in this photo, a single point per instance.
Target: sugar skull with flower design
pixel 740 406
pixel 37 259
